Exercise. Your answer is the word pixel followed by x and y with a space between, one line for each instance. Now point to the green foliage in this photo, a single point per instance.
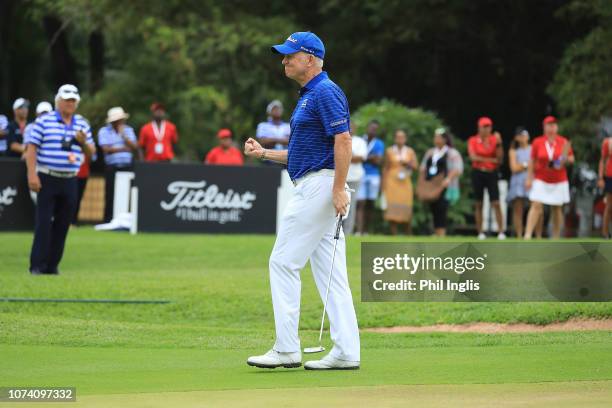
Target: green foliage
pixel 420 126
pixel 582 85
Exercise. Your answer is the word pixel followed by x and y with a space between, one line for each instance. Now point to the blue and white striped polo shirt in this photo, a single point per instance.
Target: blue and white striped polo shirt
pixel 107 136
pixel 321 113
pixel 48 132
pixel 3 127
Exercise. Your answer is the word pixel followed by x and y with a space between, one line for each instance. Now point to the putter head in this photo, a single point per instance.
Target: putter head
pixel 311 350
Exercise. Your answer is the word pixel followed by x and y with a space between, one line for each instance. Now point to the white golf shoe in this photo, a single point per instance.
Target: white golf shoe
pixel 331 363
pixel 273 359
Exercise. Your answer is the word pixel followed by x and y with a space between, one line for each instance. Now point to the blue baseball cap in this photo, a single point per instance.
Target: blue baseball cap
pixel 301 41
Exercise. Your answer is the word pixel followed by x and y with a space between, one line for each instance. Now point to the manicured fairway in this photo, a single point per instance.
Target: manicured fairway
pixel 192 352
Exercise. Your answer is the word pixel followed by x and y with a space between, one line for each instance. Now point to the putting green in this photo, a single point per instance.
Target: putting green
pixel 586 394
pixel 112 370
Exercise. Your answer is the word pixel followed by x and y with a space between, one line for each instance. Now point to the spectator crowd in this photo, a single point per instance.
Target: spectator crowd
pixel 59 147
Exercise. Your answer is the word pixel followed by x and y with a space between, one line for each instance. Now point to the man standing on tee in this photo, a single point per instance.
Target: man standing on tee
pixel 317 160
pixel 158 137
pixel 486 153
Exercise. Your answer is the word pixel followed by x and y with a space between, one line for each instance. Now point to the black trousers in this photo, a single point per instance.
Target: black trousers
pixel 81 184
pixel 109 189
pixel 439 210
pixel 55 205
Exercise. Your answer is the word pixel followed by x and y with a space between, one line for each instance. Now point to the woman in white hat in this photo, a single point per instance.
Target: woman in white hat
pixel 118 142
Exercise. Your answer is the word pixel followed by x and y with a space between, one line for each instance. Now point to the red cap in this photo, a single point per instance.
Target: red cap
pixel 549 119
pixel 157 105
pixel 485 121
pixel 223 133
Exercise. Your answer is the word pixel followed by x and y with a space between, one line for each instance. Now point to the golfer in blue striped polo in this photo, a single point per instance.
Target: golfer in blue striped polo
pixel 56 147
pixel 118 142
pixel 318 158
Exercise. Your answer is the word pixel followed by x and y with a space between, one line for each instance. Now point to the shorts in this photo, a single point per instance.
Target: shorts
pixel 608 186
pixel 482 180
pixel 550 193
pixel 369 188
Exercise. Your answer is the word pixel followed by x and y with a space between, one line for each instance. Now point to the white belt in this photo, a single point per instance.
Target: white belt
pixel 323 172
pixel 62 174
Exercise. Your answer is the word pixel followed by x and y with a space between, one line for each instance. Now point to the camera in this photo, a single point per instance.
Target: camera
pixel 67 144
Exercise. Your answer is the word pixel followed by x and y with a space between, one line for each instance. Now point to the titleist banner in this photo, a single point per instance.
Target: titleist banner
pixel 16 206
pixel 200 198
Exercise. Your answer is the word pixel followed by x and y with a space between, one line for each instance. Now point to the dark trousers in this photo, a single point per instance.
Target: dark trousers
pixel 109 189
pixel 439 210
pixel 81 184
pixel 55 205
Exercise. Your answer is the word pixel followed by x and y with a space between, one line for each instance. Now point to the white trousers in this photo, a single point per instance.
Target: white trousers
pixel 306 231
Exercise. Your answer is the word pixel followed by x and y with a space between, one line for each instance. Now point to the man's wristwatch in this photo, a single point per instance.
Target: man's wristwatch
pixel 263 155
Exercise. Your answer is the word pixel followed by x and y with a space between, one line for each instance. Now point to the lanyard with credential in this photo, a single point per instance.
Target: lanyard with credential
pixel 159 136
pixel 550 150
pixel 159 132
pixel 371 144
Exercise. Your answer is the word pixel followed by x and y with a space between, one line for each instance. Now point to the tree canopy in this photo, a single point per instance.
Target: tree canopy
pixel 211 64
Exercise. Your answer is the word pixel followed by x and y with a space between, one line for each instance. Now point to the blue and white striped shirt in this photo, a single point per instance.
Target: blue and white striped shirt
pixel 48 133
pixel 108 137
pixel 3 127
pixel 321 113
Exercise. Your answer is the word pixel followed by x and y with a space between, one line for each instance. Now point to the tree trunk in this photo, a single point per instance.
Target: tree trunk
pixel 63 64
pixel 96 61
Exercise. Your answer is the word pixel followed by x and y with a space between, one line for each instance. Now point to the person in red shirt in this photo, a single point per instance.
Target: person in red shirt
pixel 547 176
pixel 226 154
pixel 158 137
pixel 82 177
pixel 486 153
pixel 605 183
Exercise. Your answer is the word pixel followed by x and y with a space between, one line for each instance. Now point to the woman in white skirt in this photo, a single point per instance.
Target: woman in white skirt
pixel 547 176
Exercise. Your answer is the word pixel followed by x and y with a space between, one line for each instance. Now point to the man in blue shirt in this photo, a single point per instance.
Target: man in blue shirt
pixel 3 134
pixel 56 147
pixel 370 183
pixel 274 132
pixel 318 158
pixel 16 128
pixel 118 142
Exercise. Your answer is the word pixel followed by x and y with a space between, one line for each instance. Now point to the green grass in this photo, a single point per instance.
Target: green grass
pixel 221 313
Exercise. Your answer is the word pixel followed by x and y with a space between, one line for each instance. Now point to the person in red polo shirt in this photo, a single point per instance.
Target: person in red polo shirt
pixel 486 153
pixel 547 176
pixel 158 137
pixel 226 154
pixel 605 183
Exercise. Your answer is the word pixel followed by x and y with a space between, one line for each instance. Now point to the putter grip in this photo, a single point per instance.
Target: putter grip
pixel 338 226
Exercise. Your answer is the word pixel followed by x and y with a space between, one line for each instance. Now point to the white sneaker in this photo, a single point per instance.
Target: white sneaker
pixel 273 359
pixel 482 236
pixel 501 236
pixel 331 363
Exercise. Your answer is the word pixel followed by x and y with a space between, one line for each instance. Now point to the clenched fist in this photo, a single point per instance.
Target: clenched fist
pixel 252 148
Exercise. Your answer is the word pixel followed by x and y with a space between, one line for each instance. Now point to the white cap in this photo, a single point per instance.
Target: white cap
pixel 21 103
pixel 43 107
pixel 68 91
pixel 115 114
pixel 275 103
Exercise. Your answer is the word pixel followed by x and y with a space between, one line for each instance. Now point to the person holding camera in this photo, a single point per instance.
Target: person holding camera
pixel 56 147
pixel 547 176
